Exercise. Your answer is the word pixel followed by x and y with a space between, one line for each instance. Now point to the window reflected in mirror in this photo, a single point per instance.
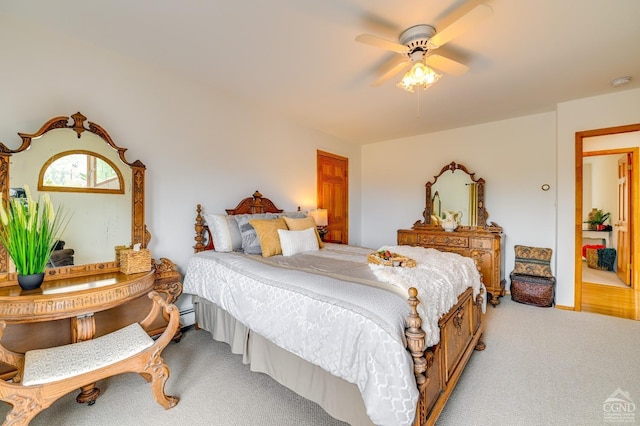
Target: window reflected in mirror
pixel 80 171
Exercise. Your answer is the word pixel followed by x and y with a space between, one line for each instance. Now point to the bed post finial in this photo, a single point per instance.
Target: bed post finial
pixel 416 338
pixel 199 226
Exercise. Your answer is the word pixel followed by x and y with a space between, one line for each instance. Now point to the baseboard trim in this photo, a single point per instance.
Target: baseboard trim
pixel 565 308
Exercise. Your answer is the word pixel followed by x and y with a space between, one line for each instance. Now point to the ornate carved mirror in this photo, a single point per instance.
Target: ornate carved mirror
pixel 106 200
pixel 457 190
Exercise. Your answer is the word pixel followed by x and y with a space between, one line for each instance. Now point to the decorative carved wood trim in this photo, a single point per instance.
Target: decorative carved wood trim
pixel 416 338
pixel 201 228
pixel 250 205
pixel 51 306
pixel 4 187
pixel 446 238
pixel 457 320
pixel 167 279
pixel 76 122
pixel 482 212
pixel 255 204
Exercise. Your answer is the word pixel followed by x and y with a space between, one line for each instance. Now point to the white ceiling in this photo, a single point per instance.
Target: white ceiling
pixel 299 58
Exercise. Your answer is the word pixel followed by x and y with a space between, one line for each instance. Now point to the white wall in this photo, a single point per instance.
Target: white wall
pixel 198 146
pixel 515 157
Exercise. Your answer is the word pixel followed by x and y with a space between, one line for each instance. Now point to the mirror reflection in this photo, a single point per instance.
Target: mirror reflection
pixel 80 171
pixel 99 221
pixel 456 192
pixel 437 205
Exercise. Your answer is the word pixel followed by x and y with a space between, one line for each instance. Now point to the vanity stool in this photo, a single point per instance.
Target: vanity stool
pixel 45 375
pixel 532 281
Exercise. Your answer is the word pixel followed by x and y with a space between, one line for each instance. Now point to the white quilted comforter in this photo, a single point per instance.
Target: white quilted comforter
pixel 314 314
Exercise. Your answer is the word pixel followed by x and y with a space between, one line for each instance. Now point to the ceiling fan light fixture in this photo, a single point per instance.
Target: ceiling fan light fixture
pixel 420 75
pixel 620 81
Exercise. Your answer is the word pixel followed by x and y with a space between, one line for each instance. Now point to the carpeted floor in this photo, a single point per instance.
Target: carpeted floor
pixel 542 366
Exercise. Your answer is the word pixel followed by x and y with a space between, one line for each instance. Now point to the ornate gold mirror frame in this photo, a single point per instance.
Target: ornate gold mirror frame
pixel 481 212
pixel 139 233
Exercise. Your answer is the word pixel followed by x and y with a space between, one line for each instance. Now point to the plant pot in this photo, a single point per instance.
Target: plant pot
pixel 30 282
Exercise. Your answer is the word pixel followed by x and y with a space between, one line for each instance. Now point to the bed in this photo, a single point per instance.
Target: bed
pixel 326 323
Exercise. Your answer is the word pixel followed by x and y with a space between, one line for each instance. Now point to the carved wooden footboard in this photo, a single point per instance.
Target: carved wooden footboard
pixel 438 368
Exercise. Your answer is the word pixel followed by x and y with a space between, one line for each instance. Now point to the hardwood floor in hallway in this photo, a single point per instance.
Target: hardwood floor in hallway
pixel 609 300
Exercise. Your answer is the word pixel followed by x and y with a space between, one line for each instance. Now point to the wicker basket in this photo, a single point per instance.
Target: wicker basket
pixel 532 290
pixel 133 262
pixel 118 249
pixel 394 260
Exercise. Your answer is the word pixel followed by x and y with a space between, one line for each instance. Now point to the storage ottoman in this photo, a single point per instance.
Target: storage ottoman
pixel 533 290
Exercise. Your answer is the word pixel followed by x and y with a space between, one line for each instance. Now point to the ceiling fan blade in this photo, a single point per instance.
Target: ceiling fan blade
pixel 459 26
pixel 382 43
pixel 446 65
pixel 391 68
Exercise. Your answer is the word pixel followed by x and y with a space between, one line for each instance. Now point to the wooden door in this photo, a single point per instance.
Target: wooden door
pixel 622 222
pixel 333 195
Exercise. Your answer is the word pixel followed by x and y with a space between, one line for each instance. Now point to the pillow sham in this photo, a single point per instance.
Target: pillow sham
pixel 225 232
pixel 267 231
pixel 299 224
pixel 294 242
pixel 250 242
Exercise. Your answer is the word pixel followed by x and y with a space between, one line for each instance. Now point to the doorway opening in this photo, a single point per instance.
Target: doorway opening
pixel 607 254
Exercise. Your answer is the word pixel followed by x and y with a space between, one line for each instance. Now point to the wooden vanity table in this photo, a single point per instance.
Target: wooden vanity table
pixel 92 298
pixel 473 238
pixel 76 298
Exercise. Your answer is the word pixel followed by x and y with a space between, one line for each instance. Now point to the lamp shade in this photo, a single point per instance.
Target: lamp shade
pixel 320 216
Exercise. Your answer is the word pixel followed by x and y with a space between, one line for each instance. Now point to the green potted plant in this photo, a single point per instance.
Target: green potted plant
pixel 597 218
pixel 29 231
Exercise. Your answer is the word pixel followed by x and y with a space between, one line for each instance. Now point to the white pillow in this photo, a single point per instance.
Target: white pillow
pixel 225 231
pixel 293 242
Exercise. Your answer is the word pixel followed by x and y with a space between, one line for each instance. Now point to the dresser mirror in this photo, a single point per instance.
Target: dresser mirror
pixel 456 189
pixel 106 208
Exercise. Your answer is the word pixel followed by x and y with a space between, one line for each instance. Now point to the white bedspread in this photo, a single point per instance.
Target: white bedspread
pixel 440 278
pixel 316 314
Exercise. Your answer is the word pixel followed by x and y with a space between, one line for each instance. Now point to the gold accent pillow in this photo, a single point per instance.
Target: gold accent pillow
pixel 300 224
pixel 267 230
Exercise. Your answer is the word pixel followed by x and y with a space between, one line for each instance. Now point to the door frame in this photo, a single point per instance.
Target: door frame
pixel 634 215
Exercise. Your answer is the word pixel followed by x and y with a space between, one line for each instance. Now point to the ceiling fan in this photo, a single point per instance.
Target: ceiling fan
pixel 417 45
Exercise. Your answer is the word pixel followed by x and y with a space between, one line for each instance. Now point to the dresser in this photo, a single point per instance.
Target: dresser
pixel 484 247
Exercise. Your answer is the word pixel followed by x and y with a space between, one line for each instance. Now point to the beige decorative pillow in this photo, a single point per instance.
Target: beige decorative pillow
pixel 303 223
pixel 267 230
pixel 534 261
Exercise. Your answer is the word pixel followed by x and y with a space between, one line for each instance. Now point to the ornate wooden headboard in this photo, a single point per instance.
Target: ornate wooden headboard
pixel 255 204
pixel 250 205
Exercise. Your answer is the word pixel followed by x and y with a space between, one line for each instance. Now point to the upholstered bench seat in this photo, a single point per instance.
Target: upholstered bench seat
pixel 44 366
pixel 45 375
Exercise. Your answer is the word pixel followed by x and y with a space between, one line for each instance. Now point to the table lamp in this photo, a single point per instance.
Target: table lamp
pixel 322 220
